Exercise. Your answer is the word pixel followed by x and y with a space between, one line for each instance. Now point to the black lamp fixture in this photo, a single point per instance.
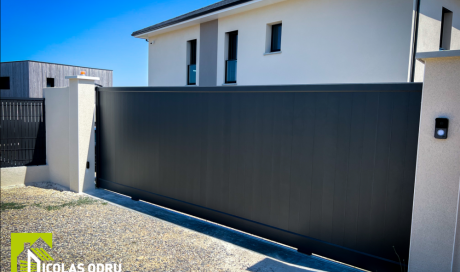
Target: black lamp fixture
pixel 441 128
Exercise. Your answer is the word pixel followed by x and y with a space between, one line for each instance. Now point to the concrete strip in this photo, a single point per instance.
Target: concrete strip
pixel 275 253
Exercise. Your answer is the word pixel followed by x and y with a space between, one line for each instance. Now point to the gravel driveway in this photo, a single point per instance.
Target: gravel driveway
pixel 86 230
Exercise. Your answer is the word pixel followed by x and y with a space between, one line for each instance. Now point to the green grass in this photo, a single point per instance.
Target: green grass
pixel 11 206
pixel 73 203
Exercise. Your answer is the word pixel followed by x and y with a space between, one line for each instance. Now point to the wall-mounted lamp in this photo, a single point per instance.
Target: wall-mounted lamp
pixel 441 128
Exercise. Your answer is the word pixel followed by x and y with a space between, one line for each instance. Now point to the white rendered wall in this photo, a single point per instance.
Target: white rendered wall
pixel 429 34
pixel 12 176
pixel 81 134
pixel 70 134
pixel 57 134
pixel 322 42
pixel 435 221
pixel 168 57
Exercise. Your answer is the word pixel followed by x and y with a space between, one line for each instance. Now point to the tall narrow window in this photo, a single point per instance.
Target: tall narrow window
pixel 446 29
pixel 276 38
pixel 230 65
pixel 49 82
pixel 5 83
pixel 191 69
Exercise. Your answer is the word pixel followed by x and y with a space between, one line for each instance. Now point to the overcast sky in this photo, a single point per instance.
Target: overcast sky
pixel 86 33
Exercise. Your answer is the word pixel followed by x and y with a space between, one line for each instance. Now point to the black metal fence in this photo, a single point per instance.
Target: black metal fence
pixel 23 135
pixel 328 169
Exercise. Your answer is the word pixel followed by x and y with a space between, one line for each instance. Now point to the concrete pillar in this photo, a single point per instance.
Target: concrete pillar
pixel 81 132
pixel 435 219
pixel 57 134
pixel 70 133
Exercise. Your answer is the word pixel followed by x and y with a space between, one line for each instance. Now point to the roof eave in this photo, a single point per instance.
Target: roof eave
pixel 208 17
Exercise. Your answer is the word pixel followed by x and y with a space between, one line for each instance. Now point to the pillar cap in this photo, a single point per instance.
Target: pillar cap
pixel 422 56
pixel 82 77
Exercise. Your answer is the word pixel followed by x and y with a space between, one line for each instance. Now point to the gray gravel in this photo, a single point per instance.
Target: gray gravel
pixel 97 232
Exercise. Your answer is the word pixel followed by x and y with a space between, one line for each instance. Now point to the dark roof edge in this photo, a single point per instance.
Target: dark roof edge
pixel 188 16
pixel 55 64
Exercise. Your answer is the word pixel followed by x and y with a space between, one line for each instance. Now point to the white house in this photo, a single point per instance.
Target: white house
pixel 266 42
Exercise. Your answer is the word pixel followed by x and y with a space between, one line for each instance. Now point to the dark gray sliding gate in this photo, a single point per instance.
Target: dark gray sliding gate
pixel 328 169
pixel 22 129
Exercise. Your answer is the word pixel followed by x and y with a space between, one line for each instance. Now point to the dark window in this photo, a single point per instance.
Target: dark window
pixel 191 68
pixel 230 64
pixel 276 38
pixel 446 29
pixel 192 52
pixel 5 83
pixel 49 82
pixel 232 45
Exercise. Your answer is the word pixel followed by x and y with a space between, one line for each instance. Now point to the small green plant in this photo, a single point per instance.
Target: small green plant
pixel 11 206
pixel 79 202
pixel 73 203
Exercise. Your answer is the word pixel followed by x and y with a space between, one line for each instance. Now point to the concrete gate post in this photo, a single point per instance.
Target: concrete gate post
pixel 81 132
pixel 435 235
pixel 70 133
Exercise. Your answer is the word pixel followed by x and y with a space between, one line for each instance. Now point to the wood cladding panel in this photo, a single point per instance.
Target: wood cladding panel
pixel 28 78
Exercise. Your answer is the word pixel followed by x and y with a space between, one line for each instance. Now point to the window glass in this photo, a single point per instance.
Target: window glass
pixel 191 68
pixel 49 82
pixel 230 71
pixel 276 38
pixel 446 29
pixel 193 52
pixel 231 63
pixel 5 83
pixel 232 45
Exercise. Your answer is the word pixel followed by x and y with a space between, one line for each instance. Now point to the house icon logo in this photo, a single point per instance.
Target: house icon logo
pixel 36 257
pixel 35 254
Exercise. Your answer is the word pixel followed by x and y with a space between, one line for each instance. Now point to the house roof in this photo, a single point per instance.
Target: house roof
pixel 196 13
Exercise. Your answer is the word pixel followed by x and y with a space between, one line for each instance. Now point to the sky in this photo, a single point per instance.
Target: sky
pixel 93 34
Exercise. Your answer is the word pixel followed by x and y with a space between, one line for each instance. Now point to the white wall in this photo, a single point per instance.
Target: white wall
pixel 57 134
pixel 70 133
pixel 168 57
pixel 323 42
pixel 331 41
pixel 11 176
pixel 429 34
pixel 437 181
pixel 81 134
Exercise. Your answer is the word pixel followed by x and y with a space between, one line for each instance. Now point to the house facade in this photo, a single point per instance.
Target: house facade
pixel 267 42
pixel 26 79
